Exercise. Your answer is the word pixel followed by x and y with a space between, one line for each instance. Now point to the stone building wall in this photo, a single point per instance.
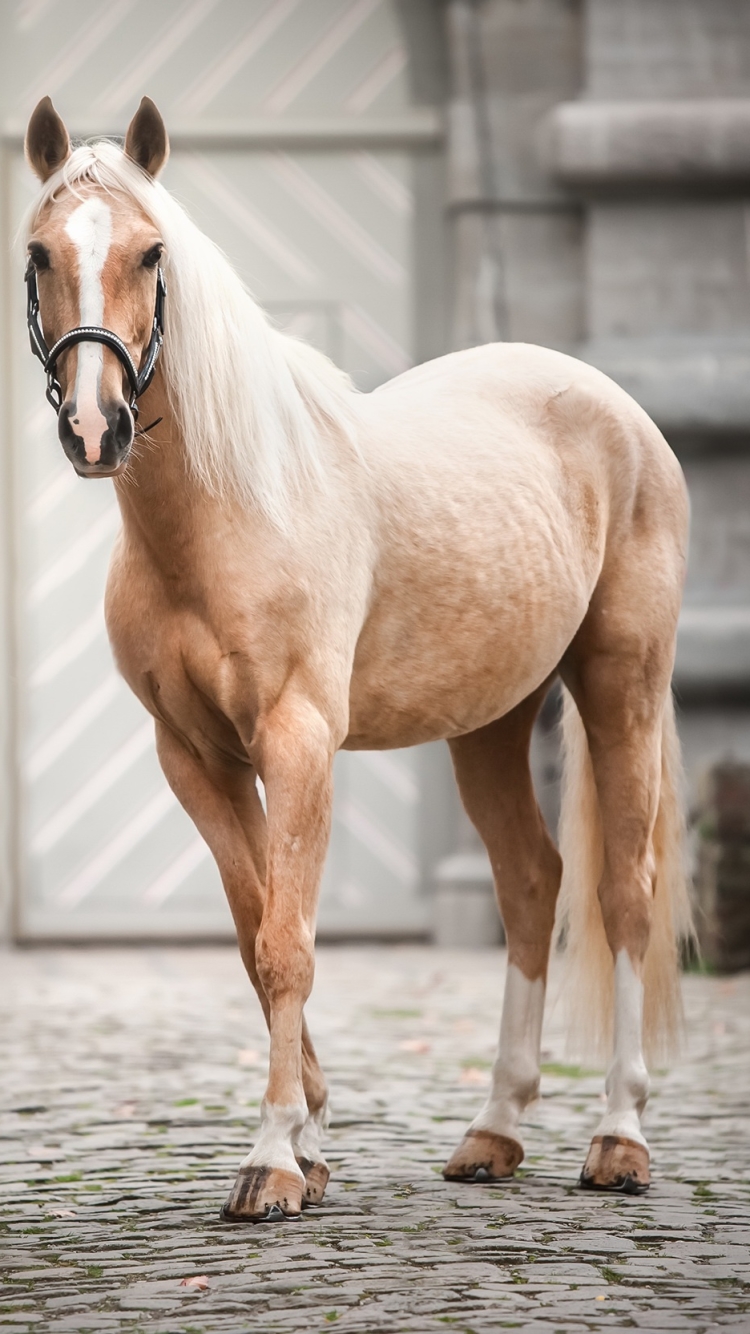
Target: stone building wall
pixel 599 202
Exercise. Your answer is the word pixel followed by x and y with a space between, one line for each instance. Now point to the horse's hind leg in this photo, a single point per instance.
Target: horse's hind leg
pixel 492 770
pixel 227 811
pixel 618 671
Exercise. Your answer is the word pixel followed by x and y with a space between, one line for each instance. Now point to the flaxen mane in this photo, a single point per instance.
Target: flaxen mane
pixel 262 443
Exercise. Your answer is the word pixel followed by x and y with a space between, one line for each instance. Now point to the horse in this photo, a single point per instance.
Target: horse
pixel 302 568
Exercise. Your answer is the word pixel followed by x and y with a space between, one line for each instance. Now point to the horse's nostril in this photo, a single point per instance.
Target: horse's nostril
pixel 123 431
pixel 70 440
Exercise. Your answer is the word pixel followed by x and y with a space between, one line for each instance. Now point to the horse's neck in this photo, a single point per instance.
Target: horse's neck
pixel 162 504
pixel 188 532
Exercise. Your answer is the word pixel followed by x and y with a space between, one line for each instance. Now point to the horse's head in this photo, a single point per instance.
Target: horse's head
pixel 95 257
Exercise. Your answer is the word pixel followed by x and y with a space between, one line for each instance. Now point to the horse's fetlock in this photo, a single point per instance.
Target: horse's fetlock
pixel 628 1083
pixel 638 1086
pixel 517 1080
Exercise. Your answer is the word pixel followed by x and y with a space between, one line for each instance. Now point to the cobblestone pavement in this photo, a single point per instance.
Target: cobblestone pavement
pixel 131 1087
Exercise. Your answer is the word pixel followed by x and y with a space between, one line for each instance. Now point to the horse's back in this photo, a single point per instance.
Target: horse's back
pixel 504 480
pixel 546 434
pixel 521 381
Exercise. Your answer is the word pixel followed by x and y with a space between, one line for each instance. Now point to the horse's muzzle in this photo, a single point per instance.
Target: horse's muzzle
pixel 110 453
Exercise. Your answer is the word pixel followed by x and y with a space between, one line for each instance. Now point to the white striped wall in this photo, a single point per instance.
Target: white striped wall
pixel 324 239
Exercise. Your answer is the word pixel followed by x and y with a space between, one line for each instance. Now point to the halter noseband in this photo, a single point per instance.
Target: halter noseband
pixel 139 380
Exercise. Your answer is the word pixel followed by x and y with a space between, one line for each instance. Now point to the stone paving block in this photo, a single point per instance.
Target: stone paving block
pixel 125 1110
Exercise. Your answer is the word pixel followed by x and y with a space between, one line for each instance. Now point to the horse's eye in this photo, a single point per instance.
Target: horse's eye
pixel 39 256
pixel 152 256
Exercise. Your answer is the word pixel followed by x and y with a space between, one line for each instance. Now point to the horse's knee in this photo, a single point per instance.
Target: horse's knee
pixel 285 958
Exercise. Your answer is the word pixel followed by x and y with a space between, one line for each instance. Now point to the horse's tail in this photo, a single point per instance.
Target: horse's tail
pixel 590 973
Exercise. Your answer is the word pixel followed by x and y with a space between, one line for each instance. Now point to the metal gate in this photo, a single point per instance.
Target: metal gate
pixel 293 146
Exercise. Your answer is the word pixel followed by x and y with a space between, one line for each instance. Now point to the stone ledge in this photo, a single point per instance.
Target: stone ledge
pixel 676 142
pixel 685 384
pixel 713 649
pixel 421 127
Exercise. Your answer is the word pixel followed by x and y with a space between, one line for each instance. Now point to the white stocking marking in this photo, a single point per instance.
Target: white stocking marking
pixel 279 1128
pixel 627 1078
pixel 90 228
pixel 515 1074
pixel 308 1142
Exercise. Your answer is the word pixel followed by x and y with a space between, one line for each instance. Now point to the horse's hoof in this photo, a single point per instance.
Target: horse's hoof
pixel 264 1195
pixel 616 1163
pixel 483 1156
pixel 316 1179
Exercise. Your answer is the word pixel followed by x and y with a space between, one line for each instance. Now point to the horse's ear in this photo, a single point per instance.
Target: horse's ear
pixel 47 141
pixel 146 141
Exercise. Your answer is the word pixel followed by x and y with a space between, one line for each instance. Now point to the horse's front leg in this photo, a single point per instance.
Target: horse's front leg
pixel 246 894
pixel 308 1146
pixel 226 809
pixel 295 754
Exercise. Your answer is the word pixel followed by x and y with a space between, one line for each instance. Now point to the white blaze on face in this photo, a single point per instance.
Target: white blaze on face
pixel 90 229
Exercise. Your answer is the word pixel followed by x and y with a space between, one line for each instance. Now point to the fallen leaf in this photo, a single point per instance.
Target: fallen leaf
pixel 199 1281
pixel 415 1044
pixel 473 1075
pixel 62 1213
pixel 248 1057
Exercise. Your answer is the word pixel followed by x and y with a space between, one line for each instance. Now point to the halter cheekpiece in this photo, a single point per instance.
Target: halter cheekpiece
pixel 139 380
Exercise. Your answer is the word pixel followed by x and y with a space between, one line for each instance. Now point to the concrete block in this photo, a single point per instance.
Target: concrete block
pixel 675 48
pixel 466 914
pixel 713 650
pixel 667 269
pixel 722 882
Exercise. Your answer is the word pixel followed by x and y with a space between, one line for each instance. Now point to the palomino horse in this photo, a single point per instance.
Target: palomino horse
pixel 303 568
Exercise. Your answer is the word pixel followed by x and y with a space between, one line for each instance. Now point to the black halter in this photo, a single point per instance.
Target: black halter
pixel 91 333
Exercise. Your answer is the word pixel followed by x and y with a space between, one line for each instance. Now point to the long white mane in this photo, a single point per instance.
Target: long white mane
pixel 254 405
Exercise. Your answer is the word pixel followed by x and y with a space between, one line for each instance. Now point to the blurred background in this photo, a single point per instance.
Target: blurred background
pixel 393 179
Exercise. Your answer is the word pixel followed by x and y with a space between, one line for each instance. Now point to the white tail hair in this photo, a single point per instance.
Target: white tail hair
pixel 589 980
